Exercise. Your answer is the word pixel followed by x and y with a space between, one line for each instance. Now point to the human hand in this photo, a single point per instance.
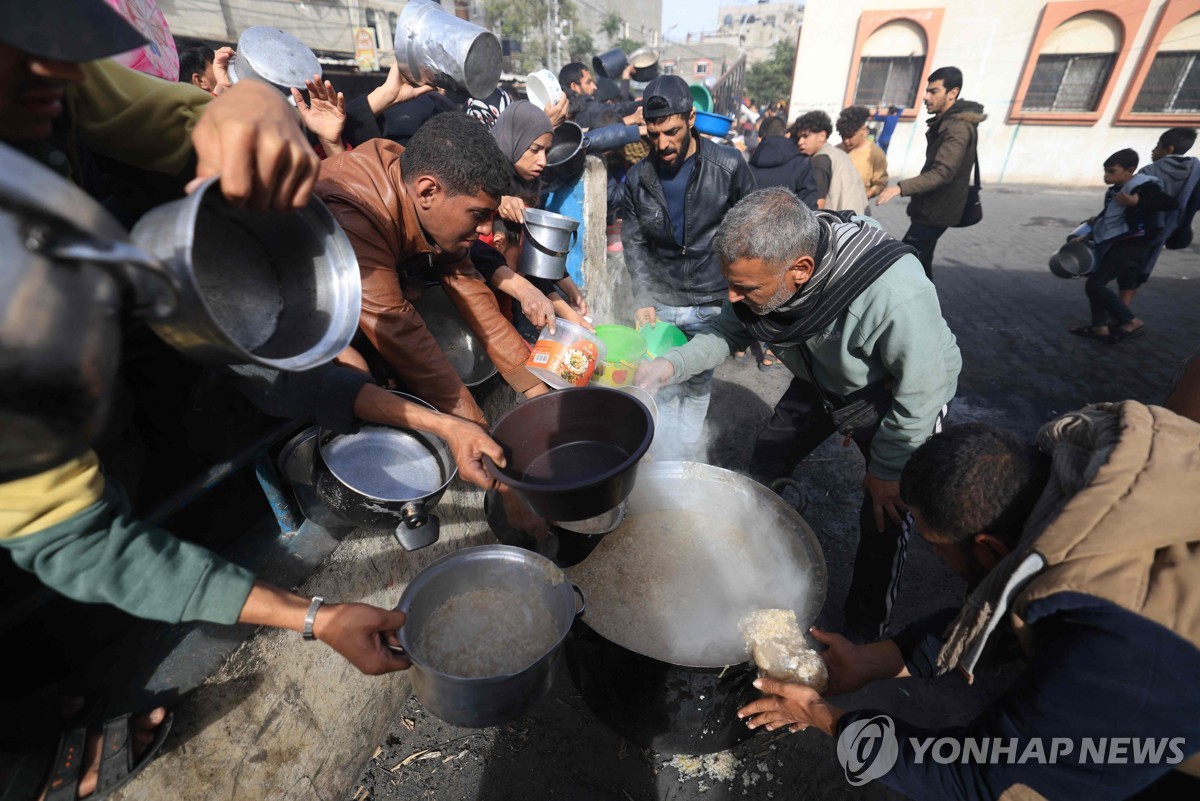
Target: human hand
pixel 852 667
pixel 577 300
pixel 512 209
pixel 888 194
pixel 645 316
pixel 654 375
pixel 791 704
pixel 221 69
pixel 325 116
pixel 1125 199
pixel 635 118
pixel 557 111
pixel 361 633
pixel 250 137
pixel 566 312
pixel 538 308
pixel 885 498
pixel 469 444
pixel 394 89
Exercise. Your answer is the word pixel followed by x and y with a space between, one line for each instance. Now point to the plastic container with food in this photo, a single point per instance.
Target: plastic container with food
pixel 568 357
pixel 626 349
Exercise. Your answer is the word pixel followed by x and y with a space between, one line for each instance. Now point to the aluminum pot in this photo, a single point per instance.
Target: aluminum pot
pixel 436 48
pixel 465 351
pixel 274 56
pixel 645 65
pixel 1073 260
pixel 386 478
pixel 280 290
pixel 651 697
pixel 566 156
pixel 545 243
pixel 297 462
pixel 491 701
pixel 573 454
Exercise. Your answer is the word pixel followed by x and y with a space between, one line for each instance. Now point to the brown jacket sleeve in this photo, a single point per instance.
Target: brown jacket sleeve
pixel 387 318
pixel 952 149
pixel 475 302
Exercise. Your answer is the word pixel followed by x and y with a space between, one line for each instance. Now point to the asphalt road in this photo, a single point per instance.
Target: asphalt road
pixel 1021 368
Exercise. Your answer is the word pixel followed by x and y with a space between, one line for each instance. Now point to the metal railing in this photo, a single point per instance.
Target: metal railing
pixel 730 89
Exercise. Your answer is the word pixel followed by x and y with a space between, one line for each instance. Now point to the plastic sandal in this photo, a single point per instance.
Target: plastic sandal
pixel 118 764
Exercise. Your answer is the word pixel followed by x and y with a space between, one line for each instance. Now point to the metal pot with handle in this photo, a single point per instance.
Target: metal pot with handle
pixel 384 477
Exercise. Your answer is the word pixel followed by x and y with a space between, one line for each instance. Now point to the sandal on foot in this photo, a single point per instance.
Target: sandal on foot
pixel 769 361
pixel 1120 335
pixel 118 763
pixel 1089 332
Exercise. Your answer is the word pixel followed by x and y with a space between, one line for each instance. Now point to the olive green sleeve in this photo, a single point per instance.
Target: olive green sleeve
pixel 137 119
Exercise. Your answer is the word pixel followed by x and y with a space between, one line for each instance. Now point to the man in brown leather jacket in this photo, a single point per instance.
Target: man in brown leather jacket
pixel 417 209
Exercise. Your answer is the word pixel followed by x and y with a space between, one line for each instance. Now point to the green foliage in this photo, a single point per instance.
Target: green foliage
pixel 581 47
pixel 525 20
pixel 771 80
pixel 628 45
pixel 612 24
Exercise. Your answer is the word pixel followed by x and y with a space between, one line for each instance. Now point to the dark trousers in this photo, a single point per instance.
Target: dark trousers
pixel 924 238
pixel 1122 262
pixel 797 427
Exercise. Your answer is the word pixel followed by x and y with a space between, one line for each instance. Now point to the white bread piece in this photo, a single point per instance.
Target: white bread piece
pixel 779 649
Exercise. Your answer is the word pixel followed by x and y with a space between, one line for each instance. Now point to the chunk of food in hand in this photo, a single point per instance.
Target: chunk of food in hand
pixel 779 649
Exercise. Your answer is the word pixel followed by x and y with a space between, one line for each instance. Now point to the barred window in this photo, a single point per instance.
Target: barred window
pixel 1172 85
pixel 889 81
pixel 1071 82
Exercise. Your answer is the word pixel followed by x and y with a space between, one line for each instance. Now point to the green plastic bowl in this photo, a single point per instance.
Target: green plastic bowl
pixel 661 338
pixel 701 97
pixel 624 344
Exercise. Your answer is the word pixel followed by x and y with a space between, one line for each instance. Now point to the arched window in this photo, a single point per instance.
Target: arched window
pixel 889 71
pixel 1075 64
pixel 1173 84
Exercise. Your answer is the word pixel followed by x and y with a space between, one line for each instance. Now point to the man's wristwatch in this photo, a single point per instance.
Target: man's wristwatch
pixel 311 616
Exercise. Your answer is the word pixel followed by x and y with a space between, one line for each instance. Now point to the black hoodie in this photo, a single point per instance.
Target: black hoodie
pixel 777 162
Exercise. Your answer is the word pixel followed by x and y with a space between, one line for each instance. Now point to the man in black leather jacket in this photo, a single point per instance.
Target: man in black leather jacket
pixel 675 199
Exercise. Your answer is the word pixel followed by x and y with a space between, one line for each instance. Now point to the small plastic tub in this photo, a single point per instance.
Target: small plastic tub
pixel 626 350
pixel 713 124
pixel 661 338
pixel 568 357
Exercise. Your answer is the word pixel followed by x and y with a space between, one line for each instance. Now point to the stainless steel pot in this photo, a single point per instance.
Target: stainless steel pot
pixel 465 351
pixel 67 273
pixel 436 48
pixel 297 464
pixel 492 701
pixel 384 477
pixel 273 56
pixel 1073 260
pixel 280 290
pixel 657 686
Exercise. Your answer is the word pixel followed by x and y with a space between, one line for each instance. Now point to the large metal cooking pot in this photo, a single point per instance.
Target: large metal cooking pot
pixel 384 477
pixel 466 353
pixel 280 290
pixel 573 454
pixel 434 47
pixel 67 274
pixel 492 701
pixel 566 156
pixel 297 463
pixel 273 56
pixel 661 697
pixel 1074 260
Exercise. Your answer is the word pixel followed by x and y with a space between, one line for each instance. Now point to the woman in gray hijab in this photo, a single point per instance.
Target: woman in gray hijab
pixel 524 134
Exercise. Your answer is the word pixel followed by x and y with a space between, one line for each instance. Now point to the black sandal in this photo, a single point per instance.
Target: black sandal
pixel 118 764
pixel 1120 335
pixel 1089 332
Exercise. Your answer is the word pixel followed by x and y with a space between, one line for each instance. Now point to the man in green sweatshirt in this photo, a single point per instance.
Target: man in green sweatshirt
pixel 850 312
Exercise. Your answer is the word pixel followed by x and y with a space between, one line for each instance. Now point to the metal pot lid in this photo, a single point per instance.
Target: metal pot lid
pixel 26 185
pixel 274 56
pixel 388 464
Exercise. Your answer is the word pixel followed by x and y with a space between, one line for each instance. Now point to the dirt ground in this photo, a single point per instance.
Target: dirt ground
pixel 1021 369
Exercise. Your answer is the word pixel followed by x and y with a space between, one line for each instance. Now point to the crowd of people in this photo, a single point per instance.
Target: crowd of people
pixel 769 249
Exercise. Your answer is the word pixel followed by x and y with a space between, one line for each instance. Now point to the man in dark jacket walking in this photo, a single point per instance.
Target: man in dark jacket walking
pixel 939 193
pixel 777 162
pixel 675 199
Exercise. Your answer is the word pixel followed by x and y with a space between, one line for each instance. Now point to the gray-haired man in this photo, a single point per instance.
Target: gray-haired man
pixel 849 310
